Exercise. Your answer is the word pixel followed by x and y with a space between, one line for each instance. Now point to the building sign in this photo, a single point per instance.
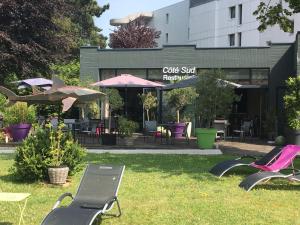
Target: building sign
pixel 173 73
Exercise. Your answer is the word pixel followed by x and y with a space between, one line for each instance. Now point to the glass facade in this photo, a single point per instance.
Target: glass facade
pixel 255 76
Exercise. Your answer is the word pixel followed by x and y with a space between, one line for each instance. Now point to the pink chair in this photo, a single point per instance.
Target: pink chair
pixel 284 161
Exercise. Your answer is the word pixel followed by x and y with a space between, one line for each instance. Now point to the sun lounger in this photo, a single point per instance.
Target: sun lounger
pixel 96 195
pixel 221 168
pixel 275 169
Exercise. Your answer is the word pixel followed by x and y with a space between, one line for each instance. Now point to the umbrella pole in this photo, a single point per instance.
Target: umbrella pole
pixel 126 96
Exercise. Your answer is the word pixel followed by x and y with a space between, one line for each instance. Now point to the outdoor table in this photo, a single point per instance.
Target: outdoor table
pixel 16 197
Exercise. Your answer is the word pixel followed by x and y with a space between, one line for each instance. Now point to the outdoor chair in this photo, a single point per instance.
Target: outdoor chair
pixel 95 196
pixel 267 163
pixel 221 126
pixel 245 130
pixel 282 163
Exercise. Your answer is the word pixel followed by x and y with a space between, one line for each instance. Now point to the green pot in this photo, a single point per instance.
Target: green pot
pixel 206 137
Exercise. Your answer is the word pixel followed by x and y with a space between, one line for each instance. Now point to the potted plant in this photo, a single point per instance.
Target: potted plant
pixel 292 107
pixel 19 118
pixel 57 172
pixel 126 129
pixel 178 99
pixel 269 125
pixel 215 98
pixel 149 102
pixel 115 103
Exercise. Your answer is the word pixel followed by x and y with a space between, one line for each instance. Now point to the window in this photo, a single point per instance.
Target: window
pixel 231 39
pixel 240 14
pixel 240 39
pixel 167 18
pixel 135 72
pixel 260 76
pixel 155 74
pixel 232 12
pixel 106 73
pixel 167 38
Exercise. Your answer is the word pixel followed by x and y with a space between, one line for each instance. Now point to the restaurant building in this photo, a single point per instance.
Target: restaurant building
pixel 261 71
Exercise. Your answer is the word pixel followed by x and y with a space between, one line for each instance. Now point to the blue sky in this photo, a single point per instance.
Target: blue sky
pixel 122 8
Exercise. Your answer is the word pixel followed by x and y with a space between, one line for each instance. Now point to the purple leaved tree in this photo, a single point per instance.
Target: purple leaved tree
pixel 135 34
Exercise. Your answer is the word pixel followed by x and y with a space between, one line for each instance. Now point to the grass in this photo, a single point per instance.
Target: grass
pixel 168 189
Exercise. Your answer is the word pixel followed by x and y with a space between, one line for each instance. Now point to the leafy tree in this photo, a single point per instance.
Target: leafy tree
pixel 34 34
pixel 179 98
pixel 214 97
pixel 28 37
pixel 274 12
pixel 68 72
pixel 115 101
pixel 292 102
pixel 135 34
pixel 149 102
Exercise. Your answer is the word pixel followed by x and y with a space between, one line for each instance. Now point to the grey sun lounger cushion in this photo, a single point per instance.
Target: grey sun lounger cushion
pixel 221 168
pixel 96 194
pixel 251 181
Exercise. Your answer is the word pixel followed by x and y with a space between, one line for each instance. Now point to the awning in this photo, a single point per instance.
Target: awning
pixel 41 82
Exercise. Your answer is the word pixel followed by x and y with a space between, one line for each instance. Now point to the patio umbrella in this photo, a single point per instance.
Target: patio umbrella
pixel 59 93
pixel 192 81
pixel 127 80
pixel 40 82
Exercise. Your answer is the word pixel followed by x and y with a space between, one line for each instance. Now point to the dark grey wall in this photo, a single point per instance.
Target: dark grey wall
pixel 279 58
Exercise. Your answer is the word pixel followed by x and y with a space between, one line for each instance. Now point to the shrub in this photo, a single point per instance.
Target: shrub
pixel 179 98
pixel 127 127
pixel 149 102
pixel 215 97
pixel 19 113
pixel 292 102
pixel 34 156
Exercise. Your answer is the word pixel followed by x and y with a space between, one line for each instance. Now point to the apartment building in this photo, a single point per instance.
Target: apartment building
pixel 212 23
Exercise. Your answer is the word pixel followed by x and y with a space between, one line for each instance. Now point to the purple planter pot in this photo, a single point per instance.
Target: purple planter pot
pixel 19 132
pixel 177 129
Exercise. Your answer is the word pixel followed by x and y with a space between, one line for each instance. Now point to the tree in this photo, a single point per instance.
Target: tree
pixel 215 98
pixel 179 98
pixel 135 34
pixel 34 34
pixel 292 102
pixel 28 37
pixel 115 101
pixel 149 102
pixel 274 12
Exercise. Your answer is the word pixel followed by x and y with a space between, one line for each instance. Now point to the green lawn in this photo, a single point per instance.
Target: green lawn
pixel 168 189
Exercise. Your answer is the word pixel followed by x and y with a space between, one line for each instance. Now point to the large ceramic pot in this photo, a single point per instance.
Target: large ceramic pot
pixel 127 141
pixel 109 139
pixel 19 132
pixel 177 129
pixel 206 137
pixel 58 175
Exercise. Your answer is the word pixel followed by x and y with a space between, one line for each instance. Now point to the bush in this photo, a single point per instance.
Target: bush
pixel 280 141
pixel 127 127
pixel 34 157
pixel 19 113
pixel 292 102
